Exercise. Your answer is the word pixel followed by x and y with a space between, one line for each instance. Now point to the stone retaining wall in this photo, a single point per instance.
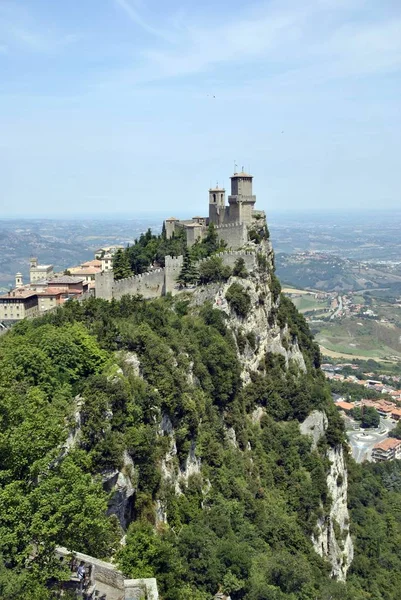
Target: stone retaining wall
pixel 108 574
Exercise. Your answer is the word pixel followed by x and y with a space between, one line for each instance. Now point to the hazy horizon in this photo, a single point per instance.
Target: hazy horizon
pixel 287 214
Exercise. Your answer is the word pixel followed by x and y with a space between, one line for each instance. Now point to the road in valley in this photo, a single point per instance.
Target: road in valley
pixel 362 441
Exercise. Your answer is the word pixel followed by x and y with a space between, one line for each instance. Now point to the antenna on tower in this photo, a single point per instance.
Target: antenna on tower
pixel 235 167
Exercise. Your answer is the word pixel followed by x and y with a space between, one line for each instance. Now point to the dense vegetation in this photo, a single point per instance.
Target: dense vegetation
pixel 375 502
pixel 150 249
pixel 242 524
pixel 355 391
pixel 367 415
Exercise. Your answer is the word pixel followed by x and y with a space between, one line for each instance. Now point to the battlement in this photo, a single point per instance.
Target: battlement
pixel 229 258
pixel 173 261
pixel 151 284
pixel 229 253
pixel 138 277
pixel 228 225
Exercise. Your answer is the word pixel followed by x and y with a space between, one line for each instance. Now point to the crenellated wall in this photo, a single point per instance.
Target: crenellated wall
pixel 148 285
pixel 160 282
pixel 152 284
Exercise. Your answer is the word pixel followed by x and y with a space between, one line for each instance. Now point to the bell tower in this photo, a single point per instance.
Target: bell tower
pixel 217 205
pixel 18 280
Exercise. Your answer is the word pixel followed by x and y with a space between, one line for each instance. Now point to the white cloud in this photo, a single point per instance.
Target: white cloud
pixel 132 10
pixel 331 38
pixel 19 29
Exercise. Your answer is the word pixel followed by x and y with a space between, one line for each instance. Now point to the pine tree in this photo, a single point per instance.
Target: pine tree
pixel 189 273
pixel 121 265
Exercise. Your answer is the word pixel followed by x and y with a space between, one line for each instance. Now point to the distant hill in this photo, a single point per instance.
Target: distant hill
pixel 323 271
pixel 19 246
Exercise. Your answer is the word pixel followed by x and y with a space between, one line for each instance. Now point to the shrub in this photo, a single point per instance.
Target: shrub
pixel 251 337
pixel 275 287
pixel 262 261
pixel 239 269
pixel 213 270
pixel 238 299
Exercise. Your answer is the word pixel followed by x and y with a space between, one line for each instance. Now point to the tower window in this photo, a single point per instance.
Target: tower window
pixel 214 197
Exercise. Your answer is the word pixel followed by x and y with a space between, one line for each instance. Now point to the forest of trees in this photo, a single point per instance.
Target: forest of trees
pixel 243 524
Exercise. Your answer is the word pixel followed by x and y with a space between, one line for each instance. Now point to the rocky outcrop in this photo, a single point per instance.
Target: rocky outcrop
pixel 121 487
pixel 258 325
pixel 171 470
pixel 75 429
pixel 315 425
pixel 192 465
pixel 332 539
pixel 131 359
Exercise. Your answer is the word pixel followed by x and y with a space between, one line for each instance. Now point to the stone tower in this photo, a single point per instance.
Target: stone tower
pixel 217 205
pixel 241 200
pixel 18 280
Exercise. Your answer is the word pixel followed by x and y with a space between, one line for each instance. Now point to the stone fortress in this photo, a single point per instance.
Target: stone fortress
pixel 232 223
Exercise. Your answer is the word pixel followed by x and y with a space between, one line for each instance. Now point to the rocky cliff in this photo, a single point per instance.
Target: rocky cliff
pixel 227 379
pixel 257 334
pixel 332 538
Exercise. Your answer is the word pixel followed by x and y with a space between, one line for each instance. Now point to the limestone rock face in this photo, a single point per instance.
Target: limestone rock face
pixel 131 359
pixel 315 425
pixel 256 334
pixel 171 470
pixel 192 464
pixel 75 430
pixel 332 540
pixel 268 336
pixel 120 483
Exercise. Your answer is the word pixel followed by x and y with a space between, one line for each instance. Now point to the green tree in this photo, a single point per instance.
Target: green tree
pixel 356 413
pixel 239 269
pixel 370 417
pixel 238 299
pixel 189 273
pixel 121 265
pixel 213 270
pixel 396 432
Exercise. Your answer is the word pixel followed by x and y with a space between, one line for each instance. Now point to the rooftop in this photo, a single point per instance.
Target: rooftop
pixel 91 270
pixel 387 444
pixel 345 405
pixel 65 279
pixel 92 263
pixel 241 174
pixel 42 267
pixel 108 248
pixel 52 291
pixel 19 293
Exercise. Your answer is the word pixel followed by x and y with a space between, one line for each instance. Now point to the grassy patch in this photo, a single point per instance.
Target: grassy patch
pixel 362 337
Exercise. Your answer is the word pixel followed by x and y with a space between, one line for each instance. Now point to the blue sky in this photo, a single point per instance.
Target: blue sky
pixel 125 106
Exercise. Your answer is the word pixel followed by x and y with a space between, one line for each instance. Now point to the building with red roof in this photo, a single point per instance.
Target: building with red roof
pixel 388 449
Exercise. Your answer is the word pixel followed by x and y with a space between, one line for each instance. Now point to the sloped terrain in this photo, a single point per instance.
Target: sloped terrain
pixel 180 426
